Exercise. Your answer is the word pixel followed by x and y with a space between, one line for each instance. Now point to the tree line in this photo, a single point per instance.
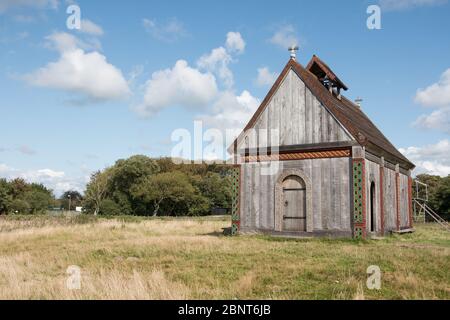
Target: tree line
pixel 20 197
pixel 138 185
pixel 144 186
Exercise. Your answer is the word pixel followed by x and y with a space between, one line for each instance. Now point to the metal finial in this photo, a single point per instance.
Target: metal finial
pixel 293 50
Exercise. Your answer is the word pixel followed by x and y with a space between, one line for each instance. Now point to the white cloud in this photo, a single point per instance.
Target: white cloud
pixel 285 37
pixel 85 73
pixel 432 159
pixel 170 31
pixel 230 111
pixel 399 5
pixel 6 5
pixel 42 174
pixel 265 77
pixel 197 88
pixel 62 41
pixel 217 61
pixel 235 43
pixel 89 27
pixel 437 120
pixel 227 117
pixel 437 96
pixel 179 86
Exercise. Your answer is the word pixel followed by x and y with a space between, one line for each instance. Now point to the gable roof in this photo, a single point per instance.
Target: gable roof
pixel 346 112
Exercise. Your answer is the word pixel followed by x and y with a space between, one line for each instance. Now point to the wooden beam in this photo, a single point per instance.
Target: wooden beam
pixel 382 194
pixel 410 210
pixel 397 193
pixel 372 157
pixel 299 156
pixel 299 147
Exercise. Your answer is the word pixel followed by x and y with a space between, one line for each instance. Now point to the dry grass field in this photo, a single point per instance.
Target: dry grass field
pixel 137 258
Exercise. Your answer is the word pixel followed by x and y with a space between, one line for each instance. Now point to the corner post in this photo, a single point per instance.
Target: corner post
pixel 397 194
pixel 382 195
pixel 359 192
pixel 235 200
pixel 410 208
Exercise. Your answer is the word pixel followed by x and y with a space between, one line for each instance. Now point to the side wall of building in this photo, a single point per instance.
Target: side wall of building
pixel 392 199
pixel 331 194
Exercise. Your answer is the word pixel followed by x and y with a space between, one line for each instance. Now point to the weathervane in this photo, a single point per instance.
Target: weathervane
pixel 293 50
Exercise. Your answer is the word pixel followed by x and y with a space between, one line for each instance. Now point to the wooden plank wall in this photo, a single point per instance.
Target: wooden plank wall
pixel 373 175
pixel 299 116
pixel 331 194
pixel 390 193
pixel 390 200
pixel 404 202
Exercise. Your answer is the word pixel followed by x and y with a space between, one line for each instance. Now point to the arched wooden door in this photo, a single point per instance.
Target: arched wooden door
pixel 294 204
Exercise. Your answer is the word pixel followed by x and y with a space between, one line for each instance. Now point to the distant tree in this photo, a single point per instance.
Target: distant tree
pixel 171 187
pixel 18 187
pixel 76 199
pixel 18 196
pixel 442 198
pixel 125 174
pixel 38 197
pixel 20 206
pixel 215 188
pixel 166 164
pixel 197 205
pixel 433 183
pixel 128 205
pixel 140 185
pixel 96 190
pixel 110 208
pixel 5 196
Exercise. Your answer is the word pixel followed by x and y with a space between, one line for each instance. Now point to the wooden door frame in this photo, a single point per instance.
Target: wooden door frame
pixel 372 216
pixel 279 204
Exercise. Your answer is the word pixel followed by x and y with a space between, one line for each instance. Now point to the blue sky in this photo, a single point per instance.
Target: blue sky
pixel 58 124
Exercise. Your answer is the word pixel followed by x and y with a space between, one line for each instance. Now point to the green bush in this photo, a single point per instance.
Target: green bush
pixel 19 206
pixel 110 208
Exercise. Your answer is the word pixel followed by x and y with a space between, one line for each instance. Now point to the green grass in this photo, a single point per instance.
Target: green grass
pixel 136 257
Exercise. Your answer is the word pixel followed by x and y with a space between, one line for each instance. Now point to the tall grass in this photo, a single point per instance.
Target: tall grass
pixel 140 258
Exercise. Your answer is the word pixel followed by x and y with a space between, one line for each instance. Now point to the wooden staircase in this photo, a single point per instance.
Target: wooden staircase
pixel 422 209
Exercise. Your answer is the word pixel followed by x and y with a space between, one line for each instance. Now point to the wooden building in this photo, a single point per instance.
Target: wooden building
pixel 310 162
